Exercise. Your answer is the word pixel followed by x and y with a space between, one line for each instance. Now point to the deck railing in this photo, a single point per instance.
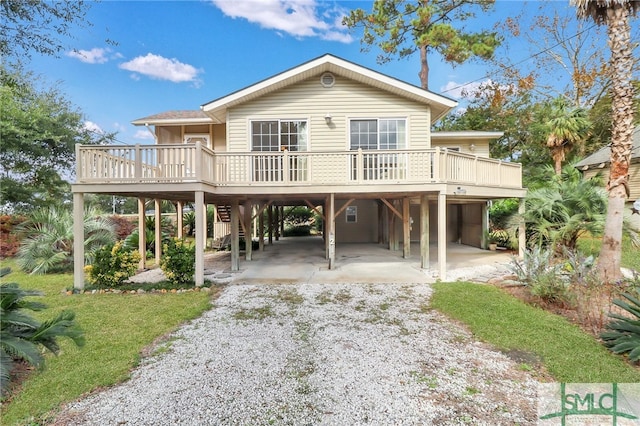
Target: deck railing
pixel 195 163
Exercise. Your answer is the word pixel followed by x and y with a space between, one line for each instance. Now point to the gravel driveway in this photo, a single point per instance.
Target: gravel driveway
pixel 329 354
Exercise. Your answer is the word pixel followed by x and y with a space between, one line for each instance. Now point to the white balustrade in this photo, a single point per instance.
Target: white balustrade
pixel 196 163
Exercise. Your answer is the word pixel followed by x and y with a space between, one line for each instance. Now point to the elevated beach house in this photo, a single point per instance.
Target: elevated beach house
pixel 351 143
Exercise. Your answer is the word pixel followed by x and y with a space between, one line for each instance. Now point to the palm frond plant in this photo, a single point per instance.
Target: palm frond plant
pixel 22 336
pixel 623 334
pixel 564 209
pixel 48 239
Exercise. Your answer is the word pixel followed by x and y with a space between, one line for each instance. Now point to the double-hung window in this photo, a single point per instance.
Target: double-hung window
pixel 372 135
pixel 387 133
pixel 278 136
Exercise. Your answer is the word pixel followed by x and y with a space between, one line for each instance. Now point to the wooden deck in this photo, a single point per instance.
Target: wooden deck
pixel 193 163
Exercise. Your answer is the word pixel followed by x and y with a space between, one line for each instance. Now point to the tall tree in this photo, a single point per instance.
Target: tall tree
pixel 615 14
pixel 39 129
pixel 402 27
pixel 38 26
pixel 566 128
pixel 559 45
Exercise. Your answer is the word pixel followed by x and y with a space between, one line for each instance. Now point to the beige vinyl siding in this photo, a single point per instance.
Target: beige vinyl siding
pixel 219 137
pixel 175 134
pixel 311 101
pixel 481 148
pixel 169 134
pixel 634 178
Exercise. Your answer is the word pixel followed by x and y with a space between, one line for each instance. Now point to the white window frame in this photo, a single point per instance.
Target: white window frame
pixel 378 120
pixel 351 212
pixel 305 120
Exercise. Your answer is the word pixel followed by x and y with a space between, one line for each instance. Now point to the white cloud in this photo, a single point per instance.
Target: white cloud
pixel 143 134
pixel 299 18
pixel 160 68
pixel 97 55
pixel 93 127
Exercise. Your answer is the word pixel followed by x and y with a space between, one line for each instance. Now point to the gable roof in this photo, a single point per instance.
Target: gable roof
pixel 602 157
pixel 440 105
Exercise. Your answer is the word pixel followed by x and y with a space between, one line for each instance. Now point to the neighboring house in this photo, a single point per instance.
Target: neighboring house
pixel 353 144
pixel 598 162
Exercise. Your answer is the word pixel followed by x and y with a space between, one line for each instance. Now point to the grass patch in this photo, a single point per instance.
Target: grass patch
pixel 568 353
pixel 248 314
pixel 117 328
pixel 630 254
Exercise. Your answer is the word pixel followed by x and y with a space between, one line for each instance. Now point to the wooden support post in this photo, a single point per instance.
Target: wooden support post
pixel 78 241
pixel 522 230
pixel 380 223
pixel 325 227
pixel 201 236
pixel 261 229
pixel 205 226
pixel 180 219
pixel 142 234
pixel 406 228
pixel 270 220
pixel 158 229
pixel 331 226
pixel 424 231
pixel 392 231
pixel 235 236
pixel 442 235
pixel 281 221
pixel 248 249
pixel 484 243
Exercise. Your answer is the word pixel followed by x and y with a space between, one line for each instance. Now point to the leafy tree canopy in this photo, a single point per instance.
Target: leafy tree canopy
pixel 402 27
pixel 39 129
pixel 39 26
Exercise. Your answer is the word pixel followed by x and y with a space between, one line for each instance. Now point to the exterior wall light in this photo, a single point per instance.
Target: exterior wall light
pixel 327 118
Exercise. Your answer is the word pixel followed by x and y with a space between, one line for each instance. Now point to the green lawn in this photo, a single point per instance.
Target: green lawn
pixel 568 353
pixel 630 254
pixel 117 328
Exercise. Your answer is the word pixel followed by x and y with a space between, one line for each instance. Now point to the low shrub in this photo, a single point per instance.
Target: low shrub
pixel 9 241
pixel 178 261
pixel 297 231
pixel 113 264
pixel 541 274
pixel 123 226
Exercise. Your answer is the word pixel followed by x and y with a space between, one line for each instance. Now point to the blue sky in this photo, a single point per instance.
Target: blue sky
pixel 173 55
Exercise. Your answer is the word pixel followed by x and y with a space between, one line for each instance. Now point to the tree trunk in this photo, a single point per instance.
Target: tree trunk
pixel 557 162
pixel 424 68
pixel 621 139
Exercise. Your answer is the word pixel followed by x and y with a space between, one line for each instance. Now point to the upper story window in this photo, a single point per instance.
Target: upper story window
pixel 278 135
pixel 378 134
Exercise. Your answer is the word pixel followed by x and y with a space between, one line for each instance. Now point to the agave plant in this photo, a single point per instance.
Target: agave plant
pixel 21 336
pixel 48 242
pixel 623 334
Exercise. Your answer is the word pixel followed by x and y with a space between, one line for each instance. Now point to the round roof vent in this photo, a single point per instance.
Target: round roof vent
pixel 327 79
